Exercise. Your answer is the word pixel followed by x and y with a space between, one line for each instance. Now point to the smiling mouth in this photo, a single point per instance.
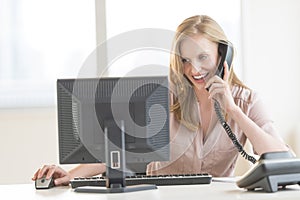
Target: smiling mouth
pixel 200 77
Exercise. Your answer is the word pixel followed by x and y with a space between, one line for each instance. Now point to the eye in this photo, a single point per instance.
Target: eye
pixel 203 57
pixel 184 60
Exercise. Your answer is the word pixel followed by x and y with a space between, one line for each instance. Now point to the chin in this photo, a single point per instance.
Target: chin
pixel 199 86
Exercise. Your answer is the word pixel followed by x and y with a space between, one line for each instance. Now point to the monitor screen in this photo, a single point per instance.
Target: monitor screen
pixel 93 112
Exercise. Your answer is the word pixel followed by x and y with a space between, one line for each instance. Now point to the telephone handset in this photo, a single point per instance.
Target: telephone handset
pixel 225 49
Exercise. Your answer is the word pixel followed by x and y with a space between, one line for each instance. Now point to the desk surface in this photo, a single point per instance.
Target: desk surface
pixel 215 190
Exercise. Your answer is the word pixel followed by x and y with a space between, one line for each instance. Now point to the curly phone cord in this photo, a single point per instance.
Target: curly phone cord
pixel 231 134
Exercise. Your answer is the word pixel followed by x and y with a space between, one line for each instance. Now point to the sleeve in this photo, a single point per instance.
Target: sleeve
pixel 259 114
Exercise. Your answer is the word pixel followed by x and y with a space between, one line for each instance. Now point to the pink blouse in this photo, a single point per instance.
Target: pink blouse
pixel 191 152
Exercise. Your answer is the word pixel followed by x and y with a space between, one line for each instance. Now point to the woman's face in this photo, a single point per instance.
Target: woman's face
pixel 200 58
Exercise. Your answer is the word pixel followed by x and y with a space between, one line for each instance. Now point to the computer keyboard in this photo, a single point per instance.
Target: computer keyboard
pixel 186 179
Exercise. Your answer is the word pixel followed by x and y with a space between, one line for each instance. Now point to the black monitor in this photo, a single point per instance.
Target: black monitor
pixel 122 121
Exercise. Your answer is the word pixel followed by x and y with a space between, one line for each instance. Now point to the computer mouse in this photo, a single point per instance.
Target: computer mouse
pixel 43 183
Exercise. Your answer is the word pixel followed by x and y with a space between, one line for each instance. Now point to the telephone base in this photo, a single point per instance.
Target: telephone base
pixel 273 170
pixel 273 182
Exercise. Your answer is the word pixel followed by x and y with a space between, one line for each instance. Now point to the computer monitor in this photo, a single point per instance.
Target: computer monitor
pixel 122 121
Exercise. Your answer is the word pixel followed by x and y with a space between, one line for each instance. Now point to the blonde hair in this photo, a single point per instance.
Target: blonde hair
pixel 184 96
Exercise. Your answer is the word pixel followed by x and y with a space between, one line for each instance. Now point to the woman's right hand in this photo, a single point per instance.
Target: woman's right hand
pixel 59 175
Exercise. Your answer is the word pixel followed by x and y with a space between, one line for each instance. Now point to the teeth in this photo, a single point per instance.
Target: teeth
pixel 199 77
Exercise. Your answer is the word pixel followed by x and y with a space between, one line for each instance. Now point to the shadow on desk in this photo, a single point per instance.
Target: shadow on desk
pixel 57 191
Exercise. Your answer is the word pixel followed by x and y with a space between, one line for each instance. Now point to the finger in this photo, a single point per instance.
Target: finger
pixel 62 181
pixel 35 175
pixel 45 169
pixel 51 171
pixel 212 80
pixel 215 92
pixel 216 85
pixel 226 71
pixel 42 171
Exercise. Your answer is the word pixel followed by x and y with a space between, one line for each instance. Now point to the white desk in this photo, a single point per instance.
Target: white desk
pixel 215 190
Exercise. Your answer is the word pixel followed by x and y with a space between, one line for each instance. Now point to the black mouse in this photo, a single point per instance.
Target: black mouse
pixel 43 183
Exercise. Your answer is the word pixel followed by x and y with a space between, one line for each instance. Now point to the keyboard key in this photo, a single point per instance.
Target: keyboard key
pixel 177 179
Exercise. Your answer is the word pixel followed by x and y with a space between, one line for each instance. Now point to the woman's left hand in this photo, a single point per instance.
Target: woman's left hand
pixel 220 90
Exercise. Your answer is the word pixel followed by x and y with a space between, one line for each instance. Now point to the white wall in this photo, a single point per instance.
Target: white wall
pixel 28 140
pixel 271 41
pixel 271 34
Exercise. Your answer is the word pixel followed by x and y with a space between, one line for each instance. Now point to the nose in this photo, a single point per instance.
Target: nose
pixel 196 66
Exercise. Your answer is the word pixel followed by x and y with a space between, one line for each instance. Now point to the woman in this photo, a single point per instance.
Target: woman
pixel 199 144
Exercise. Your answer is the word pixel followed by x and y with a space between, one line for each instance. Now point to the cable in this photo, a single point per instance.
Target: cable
pixel 231 134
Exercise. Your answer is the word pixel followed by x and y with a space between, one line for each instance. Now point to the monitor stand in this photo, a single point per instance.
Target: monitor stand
pixel 115 163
